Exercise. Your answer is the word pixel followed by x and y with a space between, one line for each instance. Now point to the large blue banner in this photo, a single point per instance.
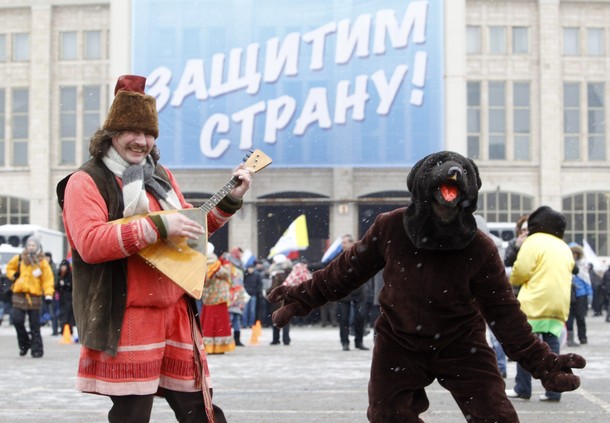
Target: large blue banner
pixel 310 83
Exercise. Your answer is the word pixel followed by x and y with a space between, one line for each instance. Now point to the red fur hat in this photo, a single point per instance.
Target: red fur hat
pixel 132 109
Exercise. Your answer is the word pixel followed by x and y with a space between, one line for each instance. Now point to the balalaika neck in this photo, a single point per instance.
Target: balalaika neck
pixel 222 193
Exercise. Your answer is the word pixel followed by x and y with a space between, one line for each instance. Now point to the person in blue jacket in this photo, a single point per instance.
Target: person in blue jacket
pixel 581 291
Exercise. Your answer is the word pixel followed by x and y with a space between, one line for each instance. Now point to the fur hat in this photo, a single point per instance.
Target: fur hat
pixel 545 219
pixel 132 109
pixel 577 249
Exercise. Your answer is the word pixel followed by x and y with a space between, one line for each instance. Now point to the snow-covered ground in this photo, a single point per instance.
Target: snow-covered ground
pixel 312 380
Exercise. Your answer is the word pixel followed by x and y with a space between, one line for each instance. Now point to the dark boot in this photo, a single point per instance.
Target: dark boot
pixel 361 346
pixel 236 336
pixel 571 342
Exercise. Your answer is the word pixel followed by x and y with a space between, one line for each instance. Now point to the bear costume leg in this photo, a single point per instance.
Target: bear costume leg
pixel 398 379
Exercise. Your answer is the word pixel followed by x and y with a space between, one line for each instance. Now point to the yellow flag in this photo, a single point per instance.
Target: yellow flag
pixel 294 238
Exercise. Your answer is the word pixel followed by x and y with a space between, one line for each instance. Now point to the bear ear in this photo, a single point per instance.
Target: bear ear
pixel 414 172
pixel 476 172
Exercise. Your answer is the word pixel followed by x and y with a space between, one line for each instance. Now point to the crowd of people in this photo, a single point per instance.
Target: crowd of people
pixel 143 336
pixel 235 297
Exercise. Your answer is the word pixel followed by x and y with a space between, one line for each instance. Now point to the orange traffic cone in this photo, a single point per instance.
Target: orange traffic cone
pixel 258 328
pixel 67 336
pixel 254 336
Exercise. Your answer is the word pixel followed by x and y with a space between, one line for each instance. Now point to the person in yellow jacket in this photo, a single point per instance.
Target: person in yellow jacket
pixel 32 282
pixel 543 270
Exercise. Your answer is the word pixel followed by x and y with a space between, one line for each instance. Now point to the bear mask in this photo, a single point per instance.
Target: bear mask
pixel 444 190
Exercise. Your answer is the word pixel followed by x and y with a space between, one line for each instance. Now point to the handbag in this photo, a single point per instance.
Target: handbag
pixel 26 301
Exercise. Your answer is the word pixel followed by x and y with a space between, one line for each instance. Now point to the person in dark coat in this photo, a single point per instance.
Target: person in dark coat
pixel 278 271
pixel 443 279
pixel 63 286
pixel 253 284
pixel 352 307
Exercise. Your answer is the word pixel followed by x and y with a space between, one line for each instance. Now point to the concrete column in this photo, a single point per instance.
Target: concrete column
pixel 41 192
pixel 243 228
pixel 455 76
pixel 120 41
pixel 343 213
pixel 551 106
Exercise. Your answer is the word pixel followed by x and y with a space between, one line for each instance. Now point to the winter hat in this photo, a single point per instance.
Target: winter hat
pixel 210 252
pixel 37 242
pixel 132 109
pixel 545 219
pixel 279 258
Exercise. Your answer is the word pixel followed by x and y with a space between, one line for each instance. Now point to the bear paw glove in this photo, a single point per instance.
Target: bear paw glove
pixel 558 376
pixel 290 307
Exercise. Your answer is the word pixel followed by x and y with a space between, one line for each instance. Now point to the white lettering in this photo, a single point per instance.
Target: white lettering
pixel 250 81
pixel 357 38
pixel 387 91
pixel 414 19
pixel 158 81
pixel 314 109
pixel 192 81
pixel 356 101
pixel 218 122
pixel 279 113
pixel 317 39
pixel 285 57
pixel 246 117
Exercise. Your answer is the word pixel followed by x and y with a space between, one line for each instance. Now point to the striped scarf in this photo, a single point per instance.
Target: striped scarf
pixel 137 179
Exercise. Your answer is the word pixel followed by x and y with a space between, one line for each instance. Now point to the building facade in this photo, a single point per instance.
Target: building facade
pixel 525 88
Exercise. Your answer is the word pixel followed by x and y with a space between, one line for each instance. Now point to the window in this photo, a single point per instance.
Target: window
pixel 499 206
pixel 67 125
pixel 474 119
pixel 21 47
pixel 93 45
pixel 67 45
pixel 497 40
pixel 595 41
pixel 497 121
pixel 521 120
pixel 571 42
pixel 571 121
pixel 20 126
pixel 3 57
pixel 2 123
pixel 595 121
pixel 587 215
pixel 520 40
pixel 92 114
pixel 473 40
pixel 14 211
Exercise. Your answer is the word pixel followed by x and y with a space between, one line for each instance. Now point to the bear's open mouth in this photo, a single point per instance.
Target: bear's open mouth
pixel 449 192
pixel 446 200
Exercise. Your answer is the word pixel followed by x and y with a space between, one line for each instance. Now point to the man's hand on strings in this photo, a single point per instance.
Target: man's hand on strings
pixel 244 175
pixel 178 224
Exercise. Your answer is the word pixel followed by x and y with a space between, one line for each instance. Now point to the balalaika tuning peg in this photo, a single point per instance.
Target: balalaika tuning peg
pixel 248 155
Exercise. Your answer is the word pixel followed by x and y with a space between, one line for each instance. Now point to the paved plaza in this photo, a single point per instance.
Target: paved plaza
pixel 312 380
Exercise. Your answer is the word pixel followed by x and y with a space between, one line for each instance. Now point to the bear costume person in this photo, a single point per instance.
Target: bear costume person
pixel 443 279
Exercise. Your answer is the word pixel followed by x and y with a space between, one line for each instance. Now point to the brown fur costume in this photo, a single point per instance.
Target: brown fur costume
pixel 443 280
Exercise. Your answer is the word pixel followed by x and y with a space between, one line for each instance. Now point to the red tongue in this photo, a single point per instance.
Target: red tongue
pixel 449 192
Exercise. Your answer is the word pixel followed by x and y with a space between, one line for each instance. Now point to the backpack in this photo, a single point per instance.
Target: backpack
pixel 6 291
pixel 6 285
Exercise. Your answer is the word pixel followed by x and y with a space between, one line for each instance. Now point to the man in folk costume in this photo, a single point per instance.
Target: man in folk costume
pixel 139 332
